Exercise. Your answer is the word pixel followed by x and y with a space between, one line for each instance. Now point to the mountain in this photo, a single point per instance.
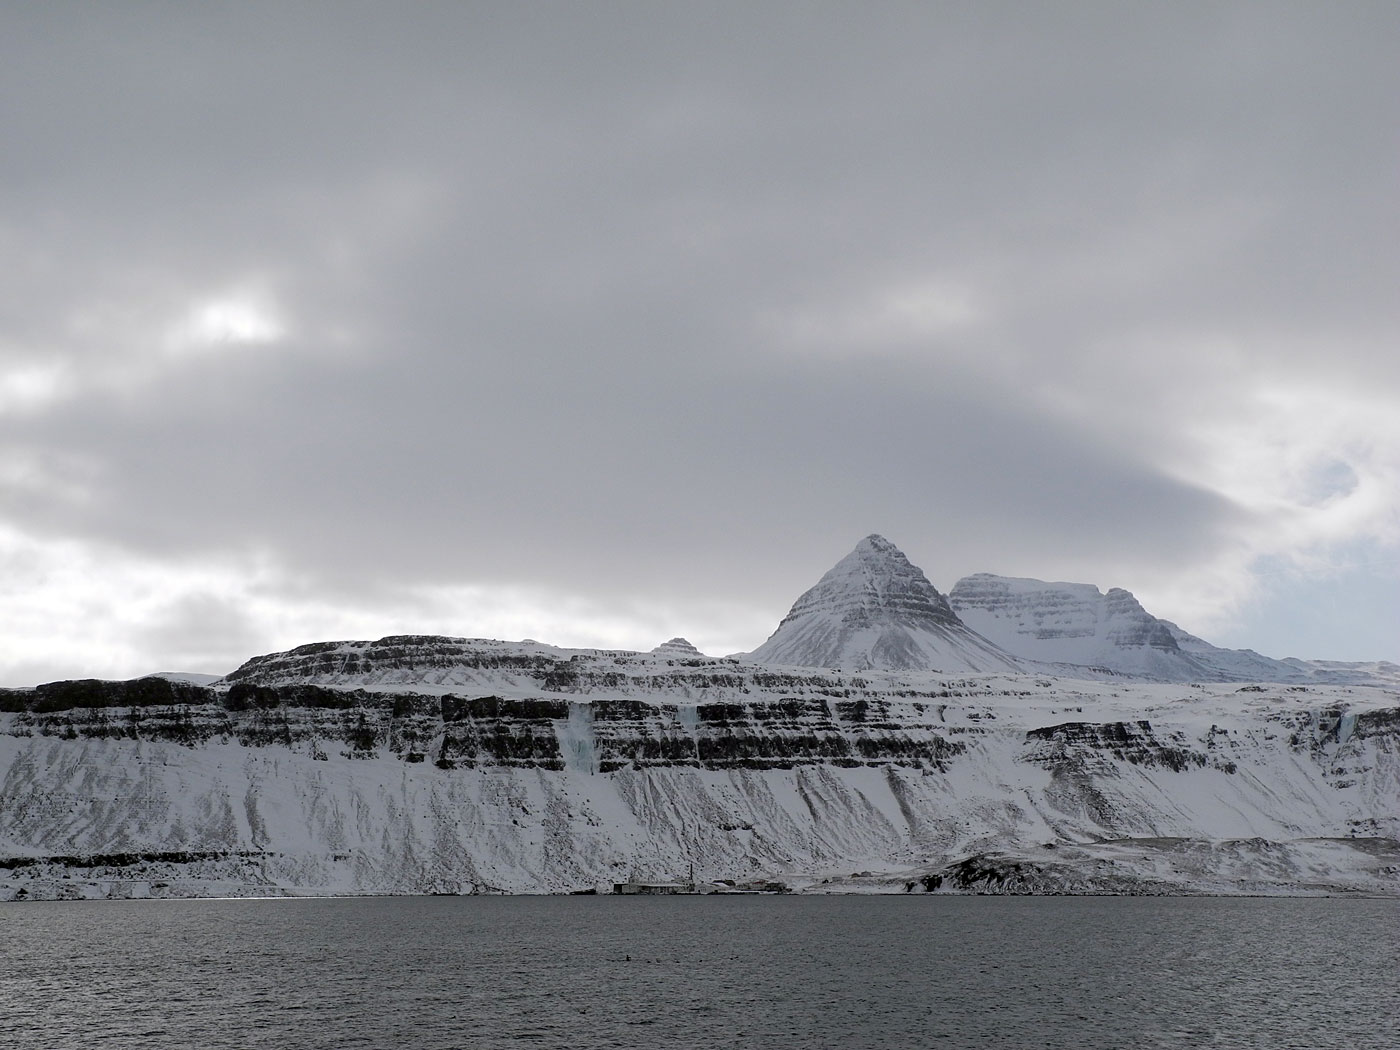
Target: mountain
pixel 428 764
pixel 874 609
pixel 418 764
pixel 1077 625
pixel 1073 623
pixel 678 647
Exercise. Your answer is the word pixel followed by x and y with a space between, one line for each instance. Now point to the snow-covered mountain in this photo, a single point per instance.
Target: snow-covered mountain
pixel 1075 624
pixel 874 609
pixel 424 764
pixel 418 763
pixel 677 647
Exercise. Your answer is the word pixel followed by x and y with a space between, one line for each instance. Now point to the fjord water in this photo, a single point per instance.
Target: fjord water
pixel 582 972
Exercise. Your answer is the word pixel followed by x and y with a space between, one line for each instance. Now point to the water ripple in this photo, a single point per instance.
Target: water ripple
pixel 582 973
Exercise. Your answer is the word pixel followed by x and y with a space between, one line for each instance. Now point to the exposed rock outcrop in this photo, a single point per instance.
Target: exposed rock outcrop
pixel 443 765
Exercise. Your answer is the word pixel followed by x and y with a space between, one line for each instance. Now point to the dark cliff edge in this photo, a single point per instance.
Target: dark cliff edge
pixel 457 731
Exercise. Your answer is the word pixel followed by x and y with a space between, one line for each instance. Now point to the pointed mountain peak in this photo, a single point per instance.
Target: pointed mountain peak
pixel 876 609
pixel 876 542
pixel 876 550
pixel 877 583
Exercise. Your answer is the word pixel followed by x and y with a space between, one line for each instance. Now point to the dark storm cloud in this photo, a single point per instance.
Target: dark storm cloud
pixel 540 270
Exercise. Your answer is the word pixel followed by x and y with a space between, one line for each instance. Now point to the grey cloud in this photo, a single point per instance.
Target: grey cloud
pixel 200 632
pixel 651 478
pixel 555 241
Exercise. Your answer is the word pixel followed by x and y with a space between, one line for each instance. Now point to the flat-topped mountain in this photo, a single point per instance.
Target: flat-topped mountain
pixel 875 609
pixel 1072 623
pixel 1078 625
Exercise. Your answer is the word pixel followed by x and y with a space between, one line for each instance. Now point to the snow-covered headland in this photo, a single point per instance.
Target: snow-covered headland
pixel 422 764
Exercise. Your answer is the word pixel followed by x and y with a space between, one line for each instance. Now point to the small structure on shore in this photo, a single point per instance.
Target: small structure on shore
pixel 657 888
pixel 638 887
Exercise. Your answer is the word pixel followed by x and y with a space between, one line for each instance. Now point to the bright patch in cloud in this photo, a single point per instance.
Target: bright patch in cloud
pixel 1317 470
pixel 236 319
pixel 32 387
pixel 76 610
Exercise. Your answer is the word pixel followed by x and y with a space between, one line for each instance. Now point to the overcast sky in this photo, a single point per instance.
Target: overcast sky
pixel 602 323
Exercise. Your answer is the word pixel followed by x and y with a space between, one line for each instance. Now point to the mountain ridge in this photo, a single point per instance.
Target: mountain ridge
pixel 434 764
pixel 1077 625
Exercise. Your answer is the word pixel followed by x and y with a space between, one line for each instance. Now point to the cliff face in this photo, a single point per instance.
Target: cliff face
pixel 442 765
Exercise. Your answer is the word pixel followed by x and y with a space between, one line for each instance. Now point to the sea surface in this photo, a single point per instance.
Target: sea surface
pixel 810 972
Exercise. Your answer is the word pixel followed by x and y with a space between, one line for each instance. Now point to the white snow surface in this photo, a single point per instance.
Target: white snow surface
pixel 1023 737
pixel 191 677
pixel 619 765
pixel 1075 624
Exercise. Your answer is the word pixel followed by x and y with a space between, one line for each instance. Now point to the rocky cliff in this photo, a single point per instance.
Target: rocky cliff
pixel 422 764
pixel 875 742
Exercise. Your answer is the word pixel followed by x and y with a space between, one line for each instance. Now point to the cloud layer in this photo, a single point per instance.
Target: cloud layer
pixel 628 321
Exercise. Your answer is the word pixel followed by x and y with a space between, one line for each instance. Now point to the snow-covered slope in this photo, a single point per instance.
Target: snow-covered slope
pixel 419 764
pixel 1075 624
pixel 874 609
pixel 1249 666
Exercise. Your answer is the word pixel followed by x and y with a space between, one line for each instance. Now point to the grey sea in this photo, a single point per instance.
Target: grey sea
pixel 582 972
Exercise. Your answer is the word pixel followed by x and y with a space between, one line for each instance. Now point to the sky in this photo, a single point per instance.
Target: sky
pixel 601 323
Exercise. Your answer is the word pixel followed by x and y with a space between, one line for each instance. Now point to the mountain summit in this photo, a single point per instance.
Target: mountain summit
pixel 677 647
pixel 875 609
